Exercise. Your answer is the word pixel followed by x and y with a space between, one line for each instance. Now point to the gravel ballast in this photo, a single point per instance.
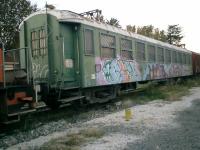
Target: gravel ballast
pixel 155 125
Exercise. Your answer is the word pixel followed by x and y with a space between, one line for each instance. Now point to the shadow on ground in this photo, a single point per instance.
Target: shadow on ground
pixel 185 137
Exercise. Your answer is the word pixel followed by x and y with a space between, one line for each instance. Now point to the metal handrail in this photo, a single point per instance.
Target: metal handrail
pixel 13 54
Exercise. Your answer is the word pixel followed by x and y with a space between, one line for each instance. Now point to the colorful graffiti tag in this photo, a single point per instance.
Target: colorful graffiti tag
pixel 162 71
pixel 112 71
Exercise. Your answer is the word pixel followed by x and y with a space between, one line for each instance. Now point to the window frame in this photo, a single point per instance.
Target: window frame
pixel 187 59
pixel 93 44
pixel 190 59
pixel 35 43
pixel 43 39
pixel 36 47
pixel 166 60
pixel 148 52
pixel 184 59
pixel 144 58
pixel 163 54
pixel 113 48
pixel 180 60
pixel 172 56
pixel 127 50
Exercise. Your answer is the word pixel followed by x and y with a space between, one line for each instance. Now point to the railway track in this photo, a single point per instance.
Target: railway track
pixel 45 121
pixel 41 107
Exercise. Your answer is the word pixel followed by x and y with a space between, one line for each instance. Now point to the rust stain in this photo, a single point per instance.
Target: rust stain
pixel 18 95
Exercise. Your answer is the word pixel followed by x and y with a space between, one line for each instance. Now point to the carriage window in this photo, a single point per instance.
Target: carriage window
pixel 140 51
pixel 108 46
pixel 126 49
pixel 190 61
pixel 160 54
pixel 180 58
pixel 187 59
pixel 34 43
pixel 183 58
pixel 174 57
pixel 42 39
pixel 38 42
pixel 151 53
pixel 167 56
pixel 89 42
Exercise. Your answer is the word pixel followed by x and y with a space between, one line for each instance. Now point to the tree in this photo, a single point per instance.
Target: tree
pixel 156 34
pixel 160 35
pixel 12 12
pixel 130 28
pixel 174 35
pixel 113 22
pixel 163 36
pixel 146 30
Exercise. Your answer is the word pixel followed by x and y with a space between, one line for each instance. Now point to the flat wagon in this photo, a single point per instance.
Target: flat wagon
pixel 196 63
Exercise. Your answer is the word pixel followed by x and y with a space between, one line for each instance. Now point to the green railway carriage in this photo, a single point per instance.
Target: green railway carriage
pixel 73 57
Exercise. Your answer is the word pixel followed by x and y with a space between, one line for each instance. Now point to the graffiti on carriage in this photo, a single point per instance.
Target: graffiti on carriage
pixel 111 71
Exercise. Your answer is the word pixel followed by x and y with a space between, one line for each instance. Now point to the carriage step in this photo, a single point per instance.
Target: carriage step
pixel 67 100
pixel 70 88
pixel 26 99
pixel 128 90
pixel 21 112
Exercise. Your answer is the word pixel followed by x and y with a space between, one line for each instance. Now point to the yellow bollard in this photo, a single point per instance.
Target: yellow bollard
pixel 128 114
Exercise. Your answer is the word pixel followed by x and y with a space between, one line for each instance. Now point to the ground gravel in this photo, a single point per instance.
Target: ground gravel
pixel 155 125
pixel 50 122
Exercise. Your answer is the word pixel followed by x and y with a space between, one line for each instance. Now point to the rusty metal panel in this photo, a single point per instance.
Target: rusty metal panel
pixel 196 63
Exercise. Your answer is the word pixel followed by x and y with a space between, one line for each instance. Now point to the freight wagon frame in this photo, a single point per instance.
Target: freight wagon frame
pixel 16 92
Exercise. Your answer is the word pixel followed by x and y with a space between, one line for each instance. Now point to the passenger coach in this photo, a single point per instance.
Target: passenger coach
pixel 74 57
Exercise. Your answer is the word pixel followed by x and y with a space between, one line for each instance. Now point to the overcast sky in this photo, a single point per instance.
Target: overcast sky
pixel 159 13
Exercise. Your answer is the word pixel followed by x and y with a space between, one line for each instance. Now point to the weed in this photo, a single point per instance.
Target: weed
pixel 92 132
pixel 74 140
pixel 170 91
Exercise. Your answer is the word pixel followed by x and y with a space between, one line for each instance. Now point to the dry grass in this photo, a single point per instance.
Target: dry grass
pixel 174 92
pixel 74 140
pixel 169 91
pixel 58 146
pixel 92 132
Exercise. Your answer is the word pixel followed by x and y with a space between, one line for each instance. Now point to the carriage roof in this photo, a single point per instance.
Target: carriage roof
pixel 68 16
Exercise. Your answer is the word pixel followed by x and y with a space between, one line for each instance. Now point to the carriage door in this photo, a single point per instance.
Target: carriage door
pixel 68 51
